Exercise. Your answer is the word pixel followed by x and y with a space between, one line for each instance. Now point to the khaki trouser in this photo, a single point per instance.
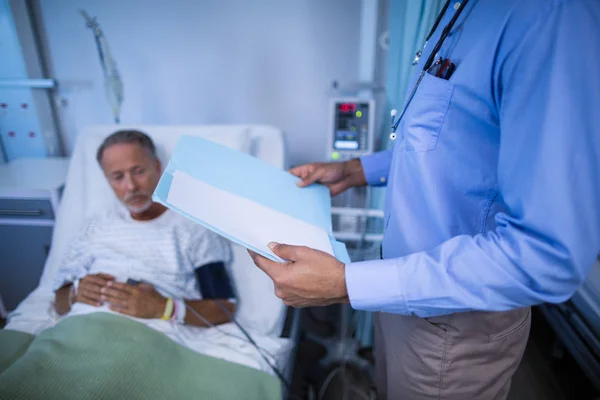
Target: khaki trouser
pixel 463 356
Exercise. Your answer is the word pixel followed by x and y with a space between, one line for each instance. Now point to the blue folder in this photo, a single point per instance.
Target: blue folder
pixel 250 178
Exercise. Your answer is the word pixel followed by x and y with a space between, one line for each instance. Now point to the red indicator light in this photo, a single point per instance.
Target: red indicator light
pixel 347 107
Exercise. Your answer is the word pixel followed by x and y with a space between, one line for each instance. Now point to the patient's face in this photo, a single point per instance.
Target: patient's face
pixel 132 173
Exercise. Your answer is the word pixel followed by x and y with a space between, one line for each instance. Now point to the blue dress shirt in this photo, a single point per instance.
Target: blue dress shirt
pixel 493 185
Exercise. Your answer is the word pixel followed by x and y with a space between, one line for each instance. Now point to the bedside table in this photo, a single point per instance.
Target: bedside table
pixel 30 190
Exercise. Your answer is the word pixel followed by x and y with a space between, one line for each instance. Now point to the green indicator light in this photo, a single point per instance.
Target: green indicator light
pixel 359 114
pixel 335 155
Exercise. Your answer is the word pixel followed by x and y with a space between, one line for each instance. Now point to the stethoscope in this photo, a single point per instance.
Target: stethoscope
pixel 430 60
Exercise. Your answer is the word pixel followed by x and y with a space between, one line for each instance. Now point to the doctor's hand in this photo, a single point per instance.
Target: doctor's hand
pixel 336 176
pixel 310 278
pixel 139 301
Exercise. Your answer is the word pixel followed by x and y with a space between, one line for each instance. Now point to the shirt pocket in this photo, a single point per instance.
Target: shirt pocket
pixel 426 114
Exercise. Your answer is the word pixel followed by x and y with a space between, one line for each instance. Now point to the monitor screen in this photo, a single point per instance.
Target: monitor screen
pixel 351 126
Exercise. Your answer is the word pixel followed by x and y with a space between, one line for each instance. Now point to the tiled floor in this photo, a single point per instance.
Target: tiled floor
pixel 539 377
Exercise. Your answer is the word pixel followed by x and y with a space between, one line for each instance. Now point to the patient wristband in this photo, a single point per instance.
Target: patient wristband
pixel 179 312
pixel 168 310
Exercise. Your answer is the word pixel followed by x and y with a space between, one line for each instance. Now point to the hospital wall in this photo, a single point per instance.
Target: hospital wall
pixel 205 62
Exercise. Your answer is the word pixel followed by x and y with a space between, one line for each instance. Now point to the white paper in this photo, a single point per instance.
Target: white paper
pixel 241 219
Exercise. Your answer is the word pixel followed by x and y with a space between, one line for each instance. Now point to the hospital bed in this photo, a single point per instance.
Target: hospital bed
pixel 87 192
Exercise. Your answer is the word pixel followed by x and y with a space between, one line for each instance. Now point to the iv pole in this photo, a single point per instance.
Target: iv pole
pixel 113 84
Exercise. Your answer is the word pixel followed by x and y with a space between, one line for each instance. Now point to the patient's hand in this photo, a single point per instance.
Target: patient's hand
pixel 140 301
pixel 90 289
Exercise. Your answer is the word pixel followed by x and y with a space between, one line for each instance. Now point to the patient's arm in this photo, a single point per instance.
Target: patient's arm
pixel 209 310
pixel 89 292
pixel 62 304
pixel 143 301
pixel 215 285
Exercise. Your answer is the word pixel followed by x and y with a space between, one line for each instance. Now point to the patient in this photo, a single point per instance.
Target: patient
pixel 139 258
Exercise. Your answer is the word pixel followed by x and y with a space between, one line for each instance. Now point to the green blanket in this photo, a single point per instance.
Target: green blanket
pixel 105 356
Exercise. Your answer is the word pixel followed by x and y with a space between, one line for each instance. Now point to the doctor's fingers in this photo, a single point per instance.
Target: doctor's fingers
pixel 292 299
pixel 289 252
pixel 299 302
pixel 317 175
pixel 302 171
pixel 271 268
pixel 289 299
pixel 338 187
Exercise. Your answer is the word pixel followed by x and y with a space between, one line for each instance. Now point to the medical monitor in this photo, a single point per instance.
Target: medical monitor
pixel 351 130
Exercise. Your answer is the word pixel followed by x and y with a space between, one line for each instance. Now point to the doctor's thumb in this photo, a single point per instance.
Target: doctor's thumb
pixel 284 251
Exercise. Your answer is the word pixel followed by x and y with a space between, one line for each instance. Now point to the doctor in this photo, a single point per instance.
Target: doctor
pixel 493 199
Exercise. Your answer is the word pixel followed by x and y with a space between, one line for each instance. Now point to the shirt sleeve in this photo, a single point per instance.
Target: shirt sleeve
pixel 206 247
pixel 548 175
pixel 376 167
pixel 78 259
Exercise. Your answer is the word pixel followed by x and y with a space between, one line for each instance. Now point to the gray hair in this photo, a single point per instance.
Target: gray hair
pixel 127 136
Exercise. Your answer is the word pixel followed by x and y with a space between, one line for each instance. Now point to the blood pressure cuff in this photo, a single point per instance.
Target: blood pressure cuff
pixel 214 282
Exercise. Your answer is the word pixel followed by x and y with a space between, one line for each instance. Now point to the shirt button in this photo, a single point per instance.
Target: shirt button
pixel 382 179
pixel 456 5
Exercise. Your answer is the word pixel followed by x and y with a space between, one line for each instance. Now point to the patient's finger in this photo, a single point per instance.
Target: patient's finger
pixel 90 291
pixel 120 309
pixel 93 279
pixel 122 303
pixel 145 287
pixel 91 288
pixel 114 293
pixel 120 286
pixel 82 298
pixel 123 310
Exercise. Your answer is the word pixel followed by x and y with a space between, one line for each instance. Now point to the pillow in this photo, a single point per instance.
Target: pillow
pixel 258 308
